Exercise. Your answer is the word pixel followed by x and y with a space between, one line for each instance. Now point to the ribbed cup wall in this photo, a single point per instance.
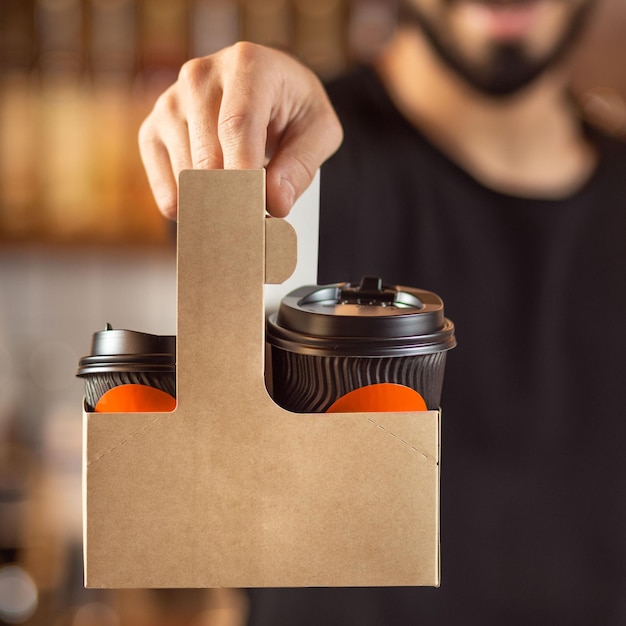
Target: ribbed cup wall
pixel 96 385
pixel 311 384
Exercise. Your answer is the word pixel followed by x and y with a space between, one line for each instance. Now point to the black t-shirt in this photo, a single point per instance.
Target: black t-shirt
pixel 533 476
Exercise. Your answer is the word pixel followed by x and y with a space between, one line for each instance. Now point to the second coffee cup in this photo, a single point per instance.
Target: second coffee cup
pixel 347 347
pixel 129 371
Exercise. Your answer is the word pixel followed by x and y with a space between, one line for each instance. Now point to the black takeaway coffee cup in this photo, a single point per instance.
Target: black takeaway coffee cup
pixel 368 347
pixel 129 371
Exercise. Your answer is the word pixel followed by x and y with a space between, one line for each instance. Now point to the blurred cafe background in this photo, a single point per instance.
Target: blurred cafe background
pixel 82 244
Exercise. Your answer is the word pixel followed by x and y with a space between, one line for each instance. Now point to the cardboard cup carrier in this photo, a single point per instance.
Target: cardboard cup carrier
pixel 226 487
pixel 369 347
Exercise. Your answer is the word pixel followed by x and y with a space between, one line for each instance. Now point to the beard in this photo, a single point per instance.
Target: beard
pixel 507 67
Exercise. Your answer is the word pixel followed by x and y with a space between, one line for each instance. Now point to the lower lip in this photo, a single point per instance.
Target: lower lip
pixel 502 21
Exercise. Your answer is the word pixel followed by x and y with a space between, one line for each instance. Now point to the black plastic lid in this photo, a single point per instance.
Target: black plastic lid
pixel 117 350
pixel 369 319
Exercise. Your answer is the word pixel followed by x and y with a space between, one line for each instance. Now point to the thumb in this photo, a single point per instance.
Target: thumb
pixel 302 150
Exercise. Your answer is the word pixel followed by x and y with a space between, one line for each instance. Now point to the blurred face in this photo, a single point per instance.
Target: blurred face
pixel 499 46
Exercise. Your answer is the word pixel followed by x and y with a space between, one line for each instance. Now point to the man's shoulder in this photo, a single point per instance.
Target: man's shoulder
pixel 366 111
pixel 356 79
pixel 359 92
pixel 607 141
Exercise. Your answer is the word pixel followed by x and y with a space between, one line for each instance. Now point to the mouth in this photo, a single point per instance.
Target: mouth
pixel 501 20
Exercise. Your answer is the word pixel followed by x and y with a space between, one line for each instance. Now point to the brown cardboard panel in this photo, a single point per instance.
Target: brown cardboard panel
pixel 280 251
pixel 229 489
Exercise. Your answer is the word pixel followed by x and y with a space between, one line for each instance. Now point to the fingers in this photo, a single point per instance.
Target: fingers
pixel 200 92
pixel 302 131
pixel 249 96
pixel 240 109
pixel 228 100
pixel 208 108
pixel 161 178
pixel 164 149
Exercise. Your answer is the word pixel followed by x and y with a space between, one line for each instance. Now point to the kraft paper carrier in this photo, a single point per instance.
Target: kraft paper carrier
pixel 230 490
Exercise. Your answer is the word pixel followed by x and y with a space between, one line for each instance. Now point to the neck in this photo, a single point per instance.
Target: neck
pixel 528 144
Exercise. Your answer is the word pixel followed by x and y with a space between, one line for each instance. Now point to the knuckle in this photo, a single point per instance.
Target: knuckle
pixel 305 163
pixel 193 72
pixel 169 210
pixel 165 107
pixel 337 138
pixel 244 52
pixel 148 134
pixel 165 196
pixel 334 129
pixel 145 134
pixel 204 157
pixel 233 124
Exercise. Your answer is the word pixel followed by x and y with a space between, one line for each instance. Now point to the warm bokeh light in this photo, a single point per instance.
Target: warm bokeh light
pixel 18 595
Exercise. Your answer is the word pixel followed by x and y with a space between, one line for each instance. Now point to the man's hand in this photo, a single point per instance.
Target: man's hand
pixel 245 107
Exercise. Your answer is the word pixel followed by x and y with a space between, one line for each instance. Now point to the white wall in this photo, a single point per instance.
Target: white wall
pixel 51 302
